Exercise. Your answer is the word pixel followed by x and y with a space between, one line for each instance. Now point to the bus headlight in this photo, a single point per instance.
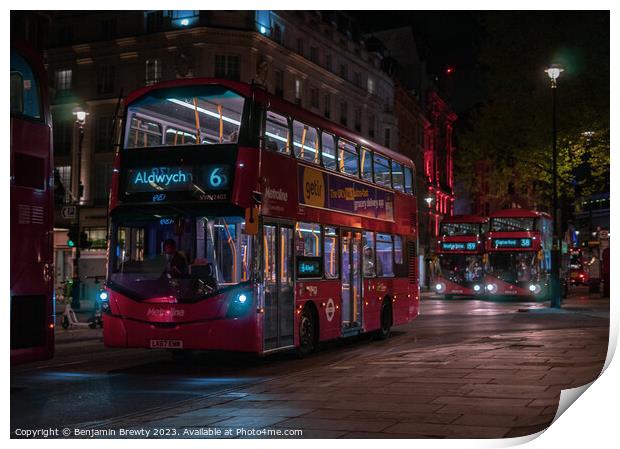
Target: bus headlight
pixel 477 288
pixel 535 288
pixel 239 305
pixel 440 287
pixel 492 288
pixel 103 295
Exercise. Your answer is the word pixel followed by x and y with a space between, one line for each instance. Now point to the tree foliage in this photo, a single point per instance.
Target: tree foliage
pixel 511 130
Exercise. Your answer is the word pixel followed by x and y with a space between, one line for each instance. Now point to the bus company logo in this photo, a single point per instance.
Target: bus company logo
pixel 276 194
pixel 313 186
pixel 161 176
pixel 160 312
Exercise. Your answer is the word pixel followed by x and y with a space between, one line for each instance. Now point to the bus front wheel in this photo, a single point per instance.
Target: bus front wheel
pixel 307 332
pixel 386 322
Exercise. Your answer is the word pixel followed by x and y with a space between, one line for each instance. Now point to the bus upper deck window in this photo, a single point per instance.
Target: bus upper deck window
pixel 398 177
pixel 347 157
pixel 366 164
pixel 306 142
pixel 24 88
pixel 408 180
pixel 330 160
pixel 277 136
pixel 382 171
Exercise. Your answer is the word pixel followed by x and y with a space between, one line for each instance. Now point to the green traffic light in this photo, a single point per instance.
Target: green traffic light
pixel 70 243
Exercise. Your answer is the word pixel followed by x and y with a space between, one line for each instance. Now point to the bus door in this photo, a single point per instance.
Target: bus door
pixel 278 327
pixel 351 250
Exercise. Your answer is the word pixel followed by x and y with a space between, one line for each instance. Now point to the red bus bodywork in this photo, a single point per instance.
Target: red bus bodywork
pixel 32 302
pixel 453 246
pixel 513 280
pixel 207 324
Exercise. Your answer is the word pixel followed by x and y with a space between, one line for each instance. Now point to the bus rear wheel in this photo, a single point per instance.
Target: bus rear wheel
pixel 307 332
pixel 386 322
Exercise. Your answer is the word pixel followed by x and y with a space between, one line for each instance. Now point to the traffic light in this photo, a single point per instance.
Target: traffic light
pixel 72 236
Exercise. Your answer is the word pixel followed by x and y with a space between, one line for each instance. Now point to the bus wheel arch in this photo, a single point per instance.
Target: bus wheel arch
pixel 386 319
pixel 308 329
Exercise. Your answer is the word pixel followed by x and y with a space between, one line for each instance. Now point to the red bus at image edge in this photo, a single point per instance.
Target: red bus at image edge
pixel 32 300
pixel 292 230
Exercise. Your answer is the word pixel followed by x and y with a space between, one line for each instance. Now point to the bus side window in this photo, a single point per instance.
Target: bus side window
pixel 366 164
pixel 382 171
pixel 385 256
pixel 277 135
pixel 306 142
pixel 330 253
pixel 398 250
pixel 368 240
pixel 329 151
pixel 398 177
pixel 408 180
pixel 348 160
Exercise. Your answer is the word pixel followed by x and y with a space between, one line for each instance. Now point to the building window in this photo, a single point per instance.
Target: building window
pixel 63 137
pixel 314 97
pixel 64 173
pixel 63 81
pixel 108 28
pixel 344 112
pixel 387 139
pixel 300 46
pixel 96 238
pixel 327 107
pixel 371 86
pixel 105 79
pixel 328 62
pixel 279 88
pixel 153 71
pixel 227 66
pixel 277 33
pixel 371 125
pixel 344 71
pixel 298 91
pixel 103 129
pixel 357 79
pixel 314 54
pixel 154 21
pixel 358 119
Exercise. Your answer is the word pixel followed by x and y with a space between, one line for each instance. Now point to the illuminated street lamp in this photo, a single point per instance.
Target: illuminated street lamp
pixel 554 72
pixel 80 121
pixel 429 202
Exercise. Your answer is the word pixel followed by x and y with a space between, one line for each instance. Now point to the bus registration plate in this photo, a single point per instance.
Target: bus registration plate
pixel 167 344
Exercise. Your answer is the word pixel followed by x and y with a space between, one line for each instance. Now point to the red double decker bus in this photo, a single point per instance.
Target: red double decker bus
pixel 32 305
pixel 519 253
pixel 460 251
pixel 242 222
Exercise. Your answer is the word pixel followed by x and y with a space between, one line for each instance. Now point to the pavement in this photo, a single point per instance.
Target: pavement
pixel 464 369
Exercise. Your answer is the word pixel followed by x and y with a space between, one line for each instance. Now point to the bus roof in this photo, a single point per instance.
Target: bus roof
pixel 518 213
pixel 281 105
pixel 465 219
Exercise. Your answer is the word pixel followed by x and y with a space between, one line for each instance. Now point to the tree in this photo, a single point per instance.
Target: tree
pixel 511 129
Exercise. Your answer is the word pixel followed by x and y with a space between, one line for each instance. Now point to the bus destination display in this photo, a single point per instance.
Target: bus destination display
pixel 458 246
pixel 512 243
pixel 176 178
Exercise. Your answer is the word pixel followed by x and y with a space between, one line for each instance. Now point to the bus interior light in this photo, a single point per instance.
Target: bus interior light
pixel 242 298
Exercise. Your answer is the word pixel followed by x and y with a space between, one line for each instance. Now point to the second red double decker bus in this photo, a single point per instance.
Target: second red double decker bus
pixel 460 250
pixel 519 253
pixel 242 222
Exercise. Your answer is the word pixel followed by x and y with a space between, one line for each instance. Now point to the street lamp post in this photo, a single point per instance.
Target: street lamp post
pixel 556 301
pixel 80 121
pixel 429 202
